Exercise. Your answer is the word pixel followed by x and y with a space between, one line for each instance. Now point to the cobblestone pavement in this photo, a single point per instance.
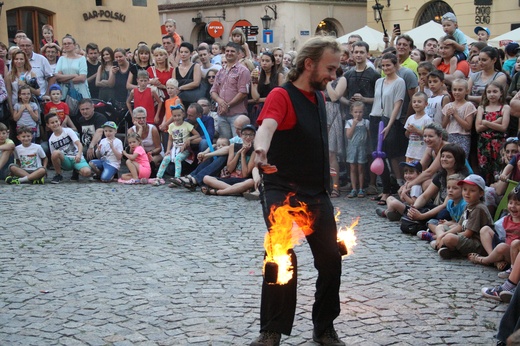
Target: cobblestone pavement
pixel 95 264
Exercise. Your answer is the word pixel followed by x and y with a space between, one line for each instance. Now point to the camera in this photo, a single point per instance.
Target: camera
pixel 397 29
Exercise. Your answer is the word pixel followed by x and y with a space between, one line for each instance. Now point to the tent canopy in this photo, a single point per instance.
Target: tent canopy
pixel 513 35
pixel 429 30
pixel 371 36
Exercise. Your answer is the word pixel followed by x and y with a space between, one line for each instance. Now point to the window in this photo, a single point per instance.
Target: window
pixel 30 20
pixel 99 2
pixel 433 11
pixel 142 3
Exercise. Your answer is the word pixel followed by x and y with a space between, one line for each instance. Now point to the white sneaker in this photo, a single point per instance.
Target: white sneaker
pixel 433 244
pixel 505 274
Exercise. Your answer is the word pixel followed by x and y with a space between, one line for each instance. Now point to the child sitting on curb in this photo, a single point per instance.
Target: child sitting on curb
pixel 475 216
pixel 396 208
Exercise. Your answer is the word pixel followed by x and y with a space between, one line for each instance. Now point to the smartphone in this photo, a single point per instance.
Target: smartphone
pixel 397 29
pixel 114 63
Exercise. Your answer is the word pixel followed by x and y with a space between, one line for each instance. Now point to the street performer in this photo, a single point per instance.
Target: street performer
pixel 293 137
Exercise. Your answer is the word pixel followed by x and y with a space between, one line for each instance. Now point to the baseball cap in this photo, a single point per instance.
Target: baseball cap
pixel 480 28
pixel 511 48
pixel 249 127
pixel 412 164
pixel 474 179
pixel 55 87
pixel 110 124
pixel 449 16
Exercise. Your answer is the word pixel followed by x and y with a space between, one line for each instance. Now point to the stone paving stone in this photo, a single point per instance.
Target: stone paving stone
pixel 191 275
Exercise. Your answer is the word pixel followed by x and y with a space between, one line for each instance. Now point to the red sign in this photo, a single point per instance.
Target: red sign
pixel 215 29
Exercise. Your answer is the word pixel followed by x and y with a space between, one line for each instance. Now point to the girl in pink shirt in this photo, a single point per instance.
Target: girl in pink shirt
pixel 137 162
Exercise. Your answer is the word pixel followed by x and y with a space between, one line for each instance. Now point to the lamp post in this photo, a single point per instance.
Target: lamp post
pixel 378 15
pixel 266 19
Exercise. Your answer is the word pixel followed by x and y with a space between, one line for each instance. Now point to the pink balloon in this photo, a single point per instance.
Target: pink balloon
pixel 377 166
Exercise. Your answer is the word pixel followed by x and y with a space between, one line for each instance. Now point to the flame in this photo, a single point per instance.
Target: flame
pixel 289 225
pixel 346 234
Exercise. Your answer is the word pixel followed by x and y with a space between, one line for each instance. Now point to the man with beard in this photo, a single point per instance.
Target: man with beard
pixel 293 137
pixel 431 49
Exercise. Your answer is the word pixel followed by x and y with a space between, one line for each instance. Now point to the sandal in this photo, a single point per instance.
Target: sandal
pixel 377 198
pixel 381 202
pixel 501 265
pixel 475 258
pixel 209 191
pixel 177 181
pixel 334 193
pixel 361 193
pixel 189 182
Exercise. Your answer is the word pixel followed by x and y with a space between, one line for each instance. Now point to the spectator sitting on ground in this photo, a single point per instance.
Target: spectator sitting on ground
pixel 237 177
pixel 396 208
pixel 30 160
pixel 6 150
pixel 465 238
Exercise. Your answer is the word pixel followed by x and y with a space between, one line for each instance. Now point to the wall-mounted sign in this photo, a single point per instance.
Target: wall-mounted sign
pixel 215 29
pixel 104 16
pixel 305 33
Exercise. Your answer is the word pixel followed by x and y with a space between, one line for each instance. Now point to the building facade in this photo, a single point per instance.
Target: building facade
pixel 292 21
pixel 500 16
pixel 114 23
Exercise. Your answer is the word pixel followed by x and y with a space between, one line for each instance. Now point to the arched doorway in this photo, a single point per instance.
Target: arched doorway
pixel 432 11
pixel 30 20
pixel 328 27
pixel 200 34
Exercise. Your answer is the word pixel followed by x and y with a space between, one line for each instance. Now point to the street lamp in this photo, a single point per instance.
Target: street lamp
pixel 378 8
pixel 266 19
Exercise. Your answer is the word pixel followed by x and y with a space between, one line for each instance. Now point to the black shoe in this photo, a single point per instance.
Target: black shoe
pixel 328 338
pixel 267 338
pixel 75 175
pixel 57 179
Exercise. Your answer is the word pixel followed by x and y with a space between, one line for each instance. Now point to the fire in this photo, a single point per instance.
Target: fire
pixel 289 225
pixel 346 236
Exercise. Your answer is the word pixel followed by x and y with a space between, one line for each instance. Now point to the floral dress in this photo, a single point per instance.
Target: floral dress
pixel 489 144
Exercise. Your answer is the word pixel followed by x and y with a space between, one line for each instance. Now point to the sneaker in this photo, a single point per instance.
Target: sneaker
pixel 143 181
pixel 505 274
pixel 425 235
pixel 13 180
pixel 328 338
pixel 157 182
pixel 40 181
pixel 8 179
pixel 445 253
pixel 381 212
pixel 75 175
pixel 267 338
pixel 393 215
pixel 371 190
pixel 493 292
pixel 433 244
pixel 58 178
pixel 361 193
pixel 506 295
pixel 352 194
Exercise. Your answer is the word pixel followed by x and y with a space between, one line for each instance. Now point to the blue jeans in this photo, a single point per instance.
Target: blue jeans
pixel 209 167
pixel 107 171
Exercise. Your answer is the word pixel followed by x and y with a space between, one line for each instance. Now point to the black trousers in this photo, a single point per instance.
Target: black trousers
pixel 511 320
pixel 279 301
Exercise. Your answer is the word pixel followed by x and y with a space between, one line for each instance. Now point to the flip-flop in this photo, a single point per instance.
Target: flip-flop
pixel 381 202
pixel 376 198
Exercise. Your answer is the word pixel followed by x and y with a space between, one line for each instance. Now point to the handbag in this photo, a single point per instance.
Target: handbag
pixel 193 95
pixel 409 226
pixel 72 99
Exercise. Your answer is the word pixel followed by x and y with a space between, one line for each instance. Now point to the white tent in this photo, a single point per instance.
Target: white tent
pixel 507 37
pixel 429 30
pixel 371 36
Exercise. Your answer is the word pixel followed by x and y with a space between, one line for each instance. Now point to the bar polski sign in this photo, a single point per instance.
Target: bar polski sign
pixel 104 16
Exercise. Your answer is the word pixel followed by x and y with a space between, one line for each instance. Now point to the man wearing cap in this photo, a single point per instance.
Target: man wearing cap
pixel 511 51
pixel 482 33
pixel 91 124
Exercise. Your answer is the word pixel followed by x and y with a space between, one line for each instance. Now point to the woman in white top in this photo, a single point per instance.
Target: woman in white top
pixel 151 140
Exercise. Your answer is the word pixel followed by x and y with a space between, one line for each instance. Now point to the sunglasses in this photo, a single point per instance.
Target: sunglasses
pixel 211 77
pixel 512 140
